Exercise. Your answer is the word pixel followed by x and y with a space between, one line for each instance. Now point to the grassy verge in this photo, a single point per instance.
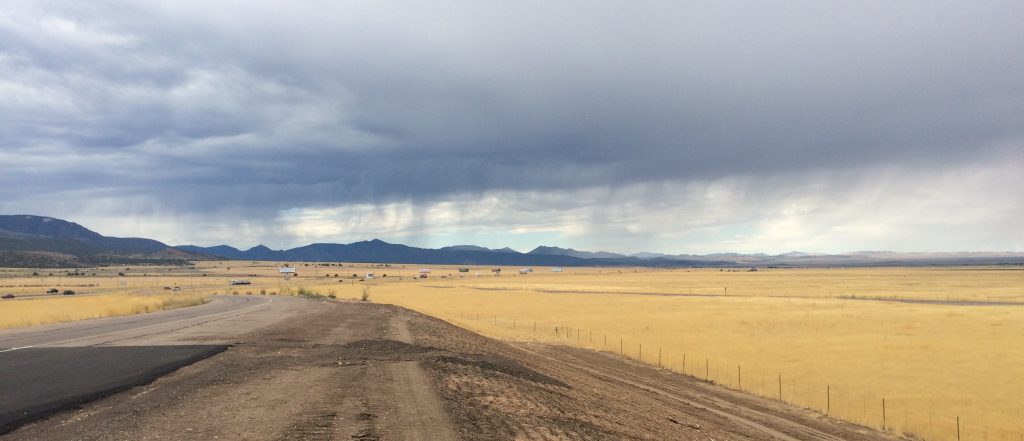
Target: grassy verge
pixel 23 313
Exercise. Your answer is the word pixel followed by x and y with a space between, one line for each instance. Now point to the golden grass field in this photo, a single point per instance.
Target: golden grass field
pixel 930 362
pixel 43 311
pixel 836 347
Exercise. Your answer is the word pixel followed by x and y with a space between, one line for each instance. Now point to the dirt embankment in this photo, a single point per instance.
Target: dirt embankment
pixel 360 371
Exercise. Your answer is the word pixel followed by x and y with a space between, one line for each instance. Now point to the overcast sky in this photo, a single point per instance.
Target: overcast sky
pixel 676 126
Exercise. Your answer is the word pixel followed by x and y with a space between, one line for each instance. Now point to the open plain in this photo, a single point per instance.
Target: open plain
pixel 310 369
pixel 938 345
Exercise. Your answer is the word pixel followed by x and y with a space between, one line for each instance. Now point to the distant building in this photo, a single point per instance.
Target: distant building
pixel 463 270
pixel 556 270
pixel 369 276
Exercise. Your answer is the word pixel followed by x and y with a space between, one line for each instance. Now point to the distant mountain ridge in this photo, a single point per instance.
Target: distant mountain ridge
pixel 476 248
pixel 556 251
pixel 378 251
pixel 39 241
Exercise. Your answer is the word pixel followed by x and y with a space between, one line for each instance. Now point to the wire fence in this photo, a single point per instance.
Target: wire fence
pixel 891 414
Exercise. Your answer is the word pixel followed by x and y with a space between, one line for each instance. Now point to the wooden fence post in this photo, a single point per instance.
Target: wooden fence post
pixel 883 414
pixel 780 387
pixel 739 377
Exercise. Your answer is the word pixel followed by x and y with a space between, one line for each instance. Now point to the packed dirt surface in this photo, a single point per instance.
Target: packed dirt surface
pixel 360 371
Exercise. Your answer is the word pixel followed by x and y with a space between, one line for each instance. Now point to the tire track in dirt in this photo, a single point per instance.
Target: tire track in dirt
pixel 416 403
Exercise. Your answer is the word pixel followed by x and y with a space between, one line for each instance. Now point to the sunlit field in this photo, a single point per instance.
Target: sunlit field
pixel 47 310
pixel 819 338
pixel 936 344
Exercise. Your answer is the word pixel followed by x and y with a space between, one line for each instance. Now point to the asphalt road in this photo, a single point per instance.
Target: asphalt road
pixel 50 368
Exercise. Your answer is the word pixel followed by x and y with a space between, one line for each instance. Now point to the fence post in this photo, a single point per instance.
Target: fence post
pixel 707 370
pixel 684 363
pixel 780 387
pixel 659 357
pixel 640 353
pixel 957 428
pixel 621 353
pixel 739 377
pixel 883 414
pixel 828 400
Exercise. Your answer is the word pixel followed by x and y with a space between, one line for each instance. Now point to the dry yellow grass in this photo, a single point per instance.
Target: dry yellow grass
pixel 930 362
pixel 47 310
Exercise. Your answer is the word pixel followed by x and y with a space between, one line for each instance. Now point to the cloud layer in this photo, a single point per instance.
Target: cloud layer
pixel 681 126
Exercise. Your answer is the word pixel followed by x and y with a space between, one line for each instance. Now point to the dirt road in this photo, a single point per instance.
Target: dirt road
pixel 349 370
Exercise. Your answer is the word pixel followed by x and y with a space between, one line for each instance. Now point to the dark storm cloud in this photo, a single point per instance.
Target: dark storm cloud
pixel 245 105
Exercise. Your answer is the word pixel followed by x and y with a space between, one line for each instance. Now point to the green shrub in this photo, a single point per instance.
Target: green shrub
pixel 310 294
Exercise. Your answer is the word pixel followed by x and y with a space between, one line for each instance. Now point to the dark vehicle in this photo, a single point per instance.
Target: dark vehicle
pixel 69 292
pixel 8 296
pixel 53 291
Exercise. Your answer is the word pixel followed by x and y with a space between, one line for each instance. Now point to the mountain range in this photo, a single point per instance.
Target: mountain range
pixel 46 242
pixel 378 251
pixel 36 241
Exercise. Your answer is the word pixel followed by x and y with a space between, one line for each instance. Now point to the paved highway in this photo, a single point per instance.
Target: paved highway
pixel 49 368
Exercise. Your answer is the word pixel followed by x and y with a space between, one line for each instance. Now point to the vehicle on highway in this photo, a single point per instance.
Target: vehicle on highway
pixel 8 296
pixel 53 291
pixel 69 292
